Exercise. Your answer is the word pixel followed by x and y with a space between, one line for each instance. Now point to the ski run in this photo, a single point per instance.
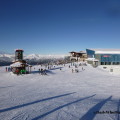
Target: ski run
pixel 86 93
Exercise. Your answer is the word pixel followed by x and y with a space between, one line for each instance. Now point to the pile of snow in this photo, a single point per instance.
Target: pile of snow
pixel 16 64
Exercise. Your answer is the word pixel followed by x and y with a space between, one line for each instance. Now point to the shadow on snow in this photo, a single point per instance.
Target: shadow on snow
pixel 56 68
pixel 38 72
pixel 47 71
pixel 34 102
pixel 118 109
pixel 6 87
pixel 60 107
pixel 90 114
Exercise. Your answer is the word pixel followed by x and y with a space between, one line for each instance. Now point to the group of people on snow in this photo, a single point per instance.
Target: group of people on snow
pixel 76 67
pixel 42 71
pixel 8 69
pixel 73 66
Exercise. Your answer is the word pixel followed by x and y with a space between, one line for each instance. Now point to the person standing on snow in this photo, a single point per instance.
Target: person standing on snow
pixel 6 69
pixel 39 71
pixel 83 68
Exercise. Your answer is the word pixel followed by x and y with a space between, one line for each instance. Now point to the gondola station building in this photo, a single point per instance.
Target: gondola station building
pixel 104 57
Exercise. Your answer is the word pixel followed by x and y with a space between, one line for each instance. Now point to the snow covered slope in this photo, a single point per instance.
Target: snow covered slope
pixel 60 95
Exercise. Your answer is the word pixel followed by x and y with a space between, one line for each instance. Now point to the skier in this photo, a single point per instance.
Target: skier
pixel 45 72
pixel 6 69
pixel 9 69
pixel 39 71
pixel 72 70
pixel 21 71
pixel 76 70
pixel 75 66
pixel 83 68
pixel 17 71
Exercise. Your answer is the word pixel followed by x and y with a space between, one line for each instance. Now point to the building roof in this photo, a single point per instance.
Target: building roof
pixel 72 52
pixel 19 50
pixel 18 64
pixel 92 59
pixel 106 51
pixel 100 49
pixel 82 52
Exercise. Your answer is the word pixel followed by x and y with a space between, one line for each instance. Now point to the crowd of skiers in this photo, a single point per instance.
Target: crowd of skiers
pixel 42 71
pixel 73 66
pixel 76 70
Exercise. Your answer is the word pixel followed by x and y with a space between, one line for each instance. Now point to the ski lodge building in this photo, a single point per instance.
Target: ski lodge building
pixel 103 56
pixel 78 56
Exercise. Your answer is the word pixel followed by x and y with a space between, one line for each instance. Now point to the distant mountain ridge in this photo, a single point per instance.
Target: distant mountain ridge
pixel 6 58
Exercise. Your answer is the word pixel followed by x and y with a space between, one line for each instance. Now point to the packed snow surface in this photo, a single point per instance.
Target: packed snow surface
pixel 90 94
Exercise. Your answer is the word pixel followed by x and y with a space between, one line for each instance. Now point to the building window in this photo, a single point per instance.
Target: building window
pixel 102 63
pixel 105 63
pixel 117 63
pixel 113 63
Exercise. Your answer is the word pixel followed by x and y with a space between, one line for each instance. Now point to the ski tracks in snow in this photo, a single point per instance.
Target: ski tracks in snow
pixel 21 116
pixel 63 113
pixel 89 115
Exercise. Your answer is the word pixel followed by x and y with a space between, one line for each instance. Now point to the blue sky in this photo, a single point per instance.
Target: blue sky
pixel 59 26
